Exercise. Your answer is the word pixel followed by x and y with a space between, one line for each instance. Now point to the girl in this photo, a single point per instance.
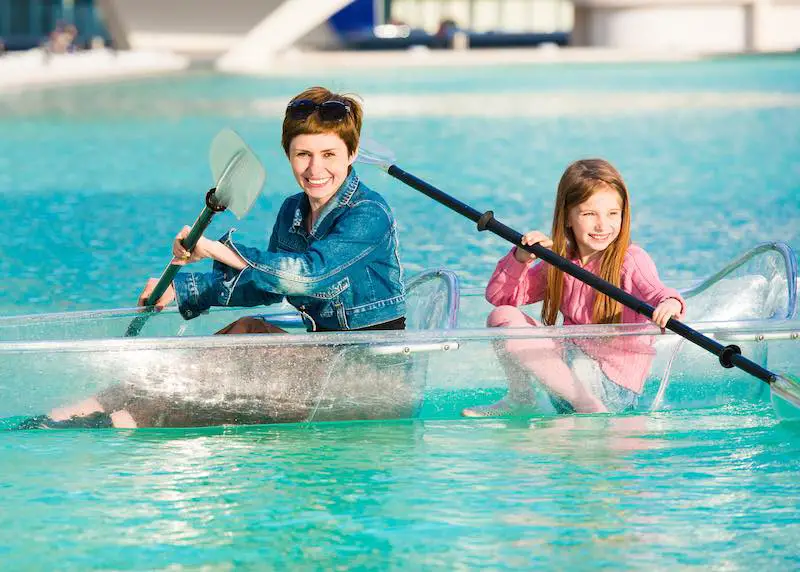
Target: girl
pixel 591 227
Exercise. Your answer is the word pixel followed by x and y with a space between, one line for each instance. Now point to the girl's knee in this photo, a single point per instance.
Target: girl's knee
pixel 508 316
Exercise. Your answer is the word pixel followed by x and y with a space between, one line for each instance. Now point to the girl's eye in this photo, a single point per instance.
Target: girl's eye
pixel 329 155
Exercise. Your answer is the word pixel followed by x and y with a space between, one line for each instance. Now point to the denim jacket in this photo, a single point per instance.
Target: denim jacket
pixel 345 274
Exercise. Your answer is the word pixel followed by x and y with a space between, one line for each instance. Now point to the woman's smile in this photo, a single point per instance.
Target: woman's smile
pixel 320 163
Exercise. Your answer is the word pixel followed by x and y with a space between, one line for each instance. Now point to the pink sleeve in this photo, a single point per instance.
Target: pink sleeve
pixel 515 283
pixel 646 283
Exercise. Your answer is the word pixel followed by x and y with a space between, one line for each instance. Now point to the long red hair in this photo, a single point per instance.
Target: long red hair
pixel 579 182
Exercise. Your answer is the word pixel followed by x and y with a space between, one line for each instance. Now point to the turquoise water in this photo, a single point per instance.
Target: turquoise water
pixel 96 180
pixel 652 493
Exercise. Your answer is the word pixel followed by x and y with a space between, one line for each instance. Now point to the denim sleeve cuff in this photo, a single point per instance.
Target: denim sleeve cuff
pixel 226 279
pixel 194 293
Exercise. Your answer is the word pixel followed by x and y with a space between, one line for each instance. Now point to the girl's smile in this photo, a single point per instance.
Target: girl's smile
pixel 596 223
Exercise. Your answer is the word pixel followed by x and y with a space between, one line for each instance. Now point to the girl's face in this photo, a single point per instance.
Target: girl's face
pixel 596 223
pixel 320 164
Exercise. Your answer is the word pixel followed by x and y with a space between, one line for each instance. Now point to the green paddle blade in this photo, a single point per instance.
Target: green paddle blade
pixel 785 396
pixel 237 171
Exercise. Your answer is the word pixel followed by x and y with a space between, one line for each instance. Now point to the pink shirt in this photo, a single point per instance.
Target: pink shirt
pixel 625 360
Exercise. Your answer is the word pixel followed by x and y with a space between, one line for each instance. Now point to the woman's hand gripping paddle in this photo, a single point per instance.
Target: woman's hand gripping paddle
pixel 785 390
pixel 239 178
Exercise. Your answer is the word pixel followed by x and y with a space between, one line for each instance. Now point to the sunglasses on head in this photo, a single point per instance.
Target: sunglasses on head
pixel 331 110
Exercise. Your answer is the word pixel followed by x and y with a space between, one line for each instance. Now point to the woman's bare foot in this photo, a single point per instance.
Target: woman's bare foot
pixel 82 409
pixel 123 420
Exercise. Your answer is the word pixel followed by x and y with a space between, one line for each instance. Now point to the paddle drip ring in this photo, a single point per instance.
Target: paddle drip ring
pixel 485 219
pixel 211 201
pixel 726 356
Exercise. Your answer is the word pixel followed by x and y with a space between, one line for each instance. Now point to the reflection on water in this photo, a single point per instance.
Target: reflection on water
pixel 570 491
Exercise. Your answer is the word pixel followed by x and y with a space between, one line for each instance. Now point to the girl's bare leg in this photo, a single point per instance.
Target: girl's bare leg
pixel 543 358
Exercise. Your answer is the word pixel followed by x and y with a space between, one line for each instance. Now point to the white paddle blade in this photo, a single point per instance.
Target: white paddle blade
pixel 238 173
pixel 373 153
pixel 785 397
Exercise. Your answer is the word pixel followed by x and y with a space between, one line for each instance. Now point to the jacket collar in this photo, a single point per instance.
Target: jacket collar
pixel 342 197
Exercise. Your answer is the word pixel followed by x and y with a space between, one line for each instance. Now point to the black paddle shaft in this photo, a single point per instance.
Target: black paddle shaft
pixel 729 356
pixel 198 228
pixel 191 240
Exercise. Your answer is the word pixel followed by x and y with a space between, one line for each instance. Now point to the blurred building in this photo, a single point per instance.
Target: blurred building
pixel 208 28
pixel 698 26
pixel 244 34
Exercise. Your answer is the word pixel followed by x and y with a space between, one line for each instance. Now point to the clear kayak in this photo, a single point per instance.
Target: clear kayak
pixel 178 374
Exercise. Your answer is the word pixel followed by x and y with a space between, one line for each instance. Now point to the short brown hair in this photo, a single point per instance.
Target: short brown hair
pixel 348 129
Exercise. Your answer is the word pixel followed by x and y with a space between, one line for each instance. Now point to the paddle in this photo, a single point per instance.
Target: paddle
pixel 783 387
pixel 239 178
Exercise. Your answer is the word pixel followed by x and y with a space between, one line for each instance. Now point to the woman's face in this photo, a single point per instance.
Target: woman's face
pixel 320 164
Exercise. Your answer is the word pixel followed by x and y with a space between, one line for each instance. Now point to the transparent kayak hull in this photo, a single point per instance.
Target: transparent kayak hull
pixel 179 374
pixel 211 380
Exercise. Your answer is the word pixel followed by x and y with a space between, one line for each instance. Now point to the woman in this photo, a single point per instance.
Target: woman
pixel 333 250
pixel 333 253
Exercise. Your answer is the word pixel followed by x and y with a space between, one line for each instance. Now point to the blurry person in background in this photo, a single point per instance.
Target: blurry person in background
pixel 62 39
pixel 447 28
pixel 68 38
